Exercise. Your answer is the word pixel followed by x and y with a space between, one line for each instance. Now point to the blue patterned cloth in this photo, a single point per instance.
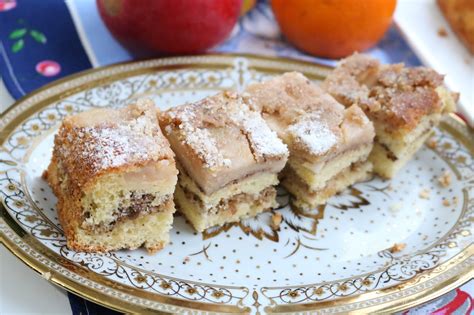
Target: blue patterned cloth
pixel 38 39
pixel 40 43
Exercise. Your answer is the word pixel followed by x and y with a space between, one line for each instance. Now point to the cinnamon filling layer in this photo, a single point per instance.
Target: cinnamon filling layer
pixel 140 204
pixel 235 181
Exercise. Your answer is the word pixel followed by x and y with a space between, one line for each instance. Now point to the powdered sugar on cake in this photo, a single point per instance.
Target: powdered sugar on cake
pixel 107 146
pixel 115 146
pixel 206 147
pixel 264 142
pixel 313 134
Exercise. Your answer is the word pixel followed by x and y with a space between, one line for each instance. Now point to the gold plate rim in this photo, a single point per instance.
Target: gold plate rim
pixel 117 304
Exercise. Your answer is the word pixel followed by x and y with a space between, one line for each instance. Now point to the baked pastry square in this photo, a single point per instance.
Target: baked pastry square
pixel 403 103
pixel 114 175
pixel 328 143
pixel 228 160
pixel 460 16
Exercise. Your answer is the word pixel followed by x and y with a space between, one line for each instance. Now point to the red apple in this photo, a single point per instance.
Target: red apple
pixel 170 26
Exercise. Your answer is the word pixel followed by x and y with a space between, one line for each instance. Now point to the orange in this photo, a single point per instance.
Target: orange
pixel 333 28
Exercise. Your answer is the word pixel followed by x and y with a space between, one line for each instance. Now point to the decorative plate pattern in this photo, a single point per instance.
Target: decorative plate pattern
pixel 335 258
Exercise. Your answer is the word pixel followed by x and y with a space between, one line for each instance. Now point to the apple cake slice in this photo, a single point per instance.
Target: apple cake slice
pixel 403 103
pixel 114 175
pixel 228 160
pixel 328 143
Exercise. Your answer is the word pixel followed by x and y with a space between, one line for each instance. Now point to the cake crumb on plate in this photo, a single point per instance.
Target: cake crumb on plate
pixel 425 194
pixel 445 179
pixel 432 143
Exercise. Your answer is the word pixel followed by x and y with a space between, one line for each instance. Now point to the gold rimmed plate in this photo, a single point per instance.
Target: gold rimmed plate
pixel 335 258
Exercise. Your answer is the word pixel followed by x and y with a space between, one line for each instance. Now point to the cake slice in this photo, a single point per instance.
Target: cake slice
pixel 228 160
pixel 328 143
pixel 114 175
pixel 403 103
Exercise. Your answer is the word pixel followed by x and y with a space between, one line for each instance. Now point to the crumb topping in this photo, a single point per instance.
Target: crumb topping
pixel 407 108
pixel 276 220
pixel 424 193
pixel 291 95
pixel 399 76
pixel 394 94
pixel 344 82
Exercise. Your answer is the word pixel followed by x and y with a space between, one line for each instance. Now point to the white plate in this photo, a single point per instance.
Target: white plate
pixel 335 258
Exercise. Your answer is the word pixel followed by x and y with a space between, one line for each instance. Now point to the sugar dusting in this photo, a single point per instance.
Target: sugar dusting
pixel 264 141
pixel 198 138
pixel 313 134
pixel 109 146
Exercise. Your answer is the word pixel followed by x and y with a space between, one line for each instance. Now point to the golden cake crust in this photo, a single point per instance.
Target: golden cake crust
pixel 292 95
pixel 344 82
